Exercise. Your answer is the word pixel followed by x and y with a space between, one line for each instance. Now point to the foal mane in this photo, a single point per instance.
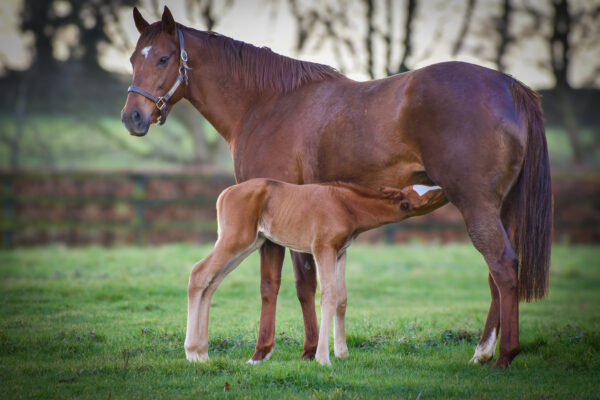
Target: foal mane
pixel 258 68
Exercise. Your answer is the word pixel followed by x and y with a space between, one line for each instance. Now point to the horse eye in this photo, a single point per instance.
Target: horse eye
pixel 163 60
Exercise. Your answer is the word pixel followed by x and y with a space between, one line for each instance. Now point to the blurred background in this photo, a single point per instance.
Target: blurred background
pixel 70 172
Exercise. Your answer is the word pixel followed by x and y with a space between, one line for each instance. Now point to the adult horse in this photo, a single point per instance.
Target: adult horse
pixel 473 131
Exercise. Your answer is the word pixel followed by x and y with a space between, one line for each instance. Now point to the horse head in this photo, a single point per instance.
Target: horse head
pixel 159 64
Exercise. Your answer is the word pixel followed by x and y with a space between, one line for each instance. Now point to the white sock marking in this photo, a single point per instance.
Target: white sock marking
pixel 422 189
pixel 254 362
pixel 485 351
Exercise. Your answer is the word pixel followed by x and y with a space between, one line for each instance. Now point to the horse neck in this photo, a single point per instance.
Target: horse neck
pixel 214 92
pixel 370 212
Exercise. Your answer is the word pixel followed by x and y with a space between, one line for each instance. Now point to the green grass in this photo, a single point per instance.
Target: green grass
pixel 110 323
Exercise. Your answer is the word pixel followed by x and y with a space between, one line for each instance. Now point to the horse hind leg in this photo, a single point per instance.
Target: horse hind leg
pixel 490 239
pixel 484 352
pixel 204 280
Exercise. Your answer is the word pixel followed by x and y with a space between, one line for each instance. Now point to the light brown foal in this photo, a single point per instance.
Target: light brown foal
pixel 321 219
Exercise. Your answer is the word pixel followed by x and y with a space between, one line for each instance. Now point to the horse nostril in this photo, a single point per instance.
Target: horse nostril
pixel 135 115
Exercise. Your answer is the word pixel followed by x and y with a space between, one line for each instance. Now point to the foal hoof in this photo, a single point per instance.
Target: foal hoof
pixel 324 362
pixel 342 353
pixel 194 356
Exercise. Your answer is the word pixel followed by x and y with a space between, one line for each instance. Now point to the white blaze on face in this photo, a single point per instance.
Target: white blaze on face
pixel 145 51
pixel 422 189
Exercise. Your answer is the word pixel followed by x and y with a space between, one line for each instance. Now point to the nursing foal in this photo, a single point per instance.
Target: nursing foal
pixel 321 219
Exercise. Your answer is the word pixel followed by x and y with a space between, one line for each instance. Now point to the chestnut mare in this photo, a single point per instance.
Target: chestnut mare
pixel 319 219
pixel 475 132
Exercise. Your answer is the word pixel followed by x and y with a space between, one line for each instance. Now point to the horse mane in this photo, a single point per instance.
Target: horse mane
pixel 258 68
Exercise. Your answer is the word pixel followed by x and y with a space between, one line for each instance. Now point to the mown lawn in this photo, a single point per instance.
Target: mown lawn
pixel 110 323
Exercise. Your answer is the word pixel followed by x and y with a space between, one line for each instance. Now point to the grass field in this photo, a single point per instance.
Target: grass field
pixel 110 323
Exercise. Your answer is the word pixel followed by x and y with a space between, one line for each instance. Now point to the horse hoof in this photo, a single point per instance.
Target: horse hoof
pixel 308 355
pixel 501 363
pixel 480 359
pixel 252 361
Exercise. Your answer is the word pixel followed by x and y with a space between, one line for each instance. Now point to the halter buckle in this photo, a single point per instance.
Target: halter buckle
pixel 161 104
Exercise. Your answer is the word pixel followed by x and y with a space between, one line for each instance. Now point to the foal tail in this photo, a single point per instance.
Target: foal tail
pixel 529 206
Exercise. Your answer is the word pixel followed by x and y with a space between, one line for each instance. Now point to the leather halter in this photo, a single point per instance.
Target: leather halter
pixel 161 101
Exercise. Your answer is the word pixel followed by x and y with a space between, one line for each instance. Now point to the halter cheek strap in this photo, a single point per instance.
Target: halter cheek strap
pixel 162 101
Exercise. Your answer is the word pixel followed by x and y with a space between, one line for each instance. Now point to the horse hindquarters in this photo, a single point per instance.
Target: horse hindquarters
pixel 498 177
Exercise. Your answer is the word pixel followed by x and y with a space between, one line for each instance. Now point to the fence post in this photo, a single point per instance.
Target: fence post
pixel 139 200
pixel 8 210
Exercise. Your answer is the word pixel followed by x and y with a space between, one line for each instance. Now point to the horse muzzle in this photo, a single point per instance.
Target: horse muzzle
pixel 135 122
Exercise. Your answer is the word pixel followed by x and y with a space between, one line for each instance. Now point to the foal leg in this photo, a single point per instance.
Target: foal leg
pixel 489 237
pixel 486 348
pixel 325 260
pixel 305 276
pixel 271 261
pixel 340 348
pixel 204 280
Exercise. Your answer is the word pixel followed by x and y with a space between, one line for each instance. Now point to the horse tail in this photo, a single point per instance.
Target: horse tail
pixel 529 208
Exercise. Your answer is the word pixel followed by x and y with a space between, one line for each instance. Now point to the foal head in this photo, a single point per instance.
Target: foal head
pixel 416 200
pixel 156 63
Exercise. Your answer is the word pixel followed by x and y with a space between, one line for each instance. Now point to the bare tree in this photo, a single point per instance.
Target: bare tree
pixel 572 31
pixel 335 24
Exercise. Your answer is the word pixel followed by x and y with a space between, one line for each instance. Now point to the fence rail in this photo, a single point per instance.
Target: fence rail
pixel 76 208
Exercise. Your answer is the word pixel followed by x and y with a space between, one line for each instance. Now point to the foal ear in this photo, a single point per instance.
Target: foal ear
pixel 140 22
pixel 392 193
pixel 168 22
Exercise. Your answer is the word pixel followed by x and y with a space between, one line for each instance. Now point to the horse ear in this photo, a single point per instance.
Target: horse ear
pixel 168 22
pixel 140 22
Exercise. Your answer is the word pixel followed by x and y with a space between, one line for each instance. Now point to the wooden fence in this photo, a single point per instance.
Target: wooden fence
pixel 77 208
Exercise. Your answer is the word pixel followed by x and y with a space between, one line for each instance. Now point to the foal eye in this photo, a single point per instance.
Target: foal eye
pixel 163 60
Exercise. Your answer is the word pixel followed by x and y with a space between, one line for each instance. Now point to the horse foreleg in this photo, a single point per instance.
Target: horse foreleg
pixel 325 260
pixel 305 277
pixel 271 261
pixel 486 347
pixel 340 348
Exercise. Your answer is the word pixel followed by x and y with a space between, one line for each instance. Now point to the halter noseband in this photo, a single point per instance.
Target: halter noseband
pixel 161 101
